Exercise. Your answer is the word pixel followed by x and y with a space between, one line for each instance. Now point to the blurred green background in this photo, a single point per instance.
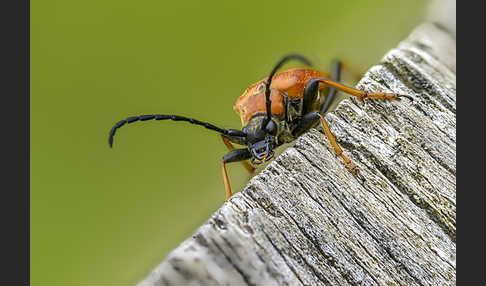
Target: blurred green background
pixel 102 216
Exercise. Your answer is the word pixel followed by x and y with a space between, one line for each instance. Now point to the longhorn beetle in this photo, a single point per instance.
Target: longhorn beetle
pixel 274 111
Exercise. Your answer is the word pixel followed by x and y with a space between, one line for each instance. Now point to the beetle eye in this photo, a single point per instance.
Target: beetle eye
pixel 261 87
pixel 271 127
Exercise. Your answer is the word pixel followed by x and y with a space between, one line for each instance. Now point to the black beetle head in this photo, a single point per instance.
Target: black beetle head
pixel 261 141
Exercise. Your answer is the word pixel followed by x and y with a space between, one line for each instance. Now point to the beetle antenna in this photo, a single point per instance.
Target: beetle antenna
pixel 269 81
pixel 230 132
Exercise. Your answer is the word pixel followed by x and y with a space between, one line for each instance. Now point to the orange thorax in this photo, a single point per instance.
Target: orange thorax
pixel 291 82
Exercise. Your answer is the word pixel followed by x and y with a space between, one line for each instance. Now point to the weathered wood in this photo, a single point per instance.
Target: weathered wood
pixel 305 220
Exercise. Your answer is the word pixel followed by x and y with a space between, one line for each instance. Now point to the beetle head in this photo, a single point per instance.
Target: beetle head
pixel 261 140
pixel 261 131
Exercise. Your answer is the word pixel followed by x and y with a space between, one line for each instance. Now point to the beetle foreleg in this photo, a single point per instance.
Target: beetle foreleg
pixel 230 147
pixel 305 123
pixel 232 156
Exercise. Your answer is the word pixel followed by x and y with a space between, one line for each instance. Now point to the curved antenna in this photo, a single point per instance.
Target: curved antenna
pixel 269 81
pixel 230 132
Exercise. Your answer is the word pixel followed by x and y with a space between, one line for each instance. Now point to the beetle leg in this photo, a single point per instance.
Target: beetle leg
pixel 337 150
pixel 335 76
pixel 358 93
pixel 305 123
pixel 308 121
pixel 312 88
pixel 230 147
pixel 232 156
pixel 310 92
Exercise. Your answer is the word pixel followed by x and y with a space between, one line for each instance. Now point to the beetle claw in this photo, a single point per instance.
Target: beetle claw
pixel 406 96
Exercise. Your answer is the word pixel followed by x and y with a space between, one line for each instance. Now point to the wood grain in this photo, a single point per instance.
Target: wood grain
pixel 305 220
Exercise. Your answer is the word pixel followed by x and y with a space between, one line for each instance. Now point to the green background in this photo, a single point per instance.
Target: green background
pixel 102 216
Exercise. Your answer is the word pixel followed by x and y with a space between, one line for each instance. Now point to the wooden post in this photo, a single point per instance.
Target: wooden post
pixel 305 220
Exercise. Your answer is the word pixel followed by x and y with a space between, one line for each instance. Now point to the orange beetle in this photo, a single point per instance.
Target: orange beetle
pixel 274 111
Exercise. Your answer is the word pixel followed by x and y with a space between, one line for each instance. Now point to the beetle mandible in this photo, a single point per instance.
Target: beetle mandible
pixel 274 111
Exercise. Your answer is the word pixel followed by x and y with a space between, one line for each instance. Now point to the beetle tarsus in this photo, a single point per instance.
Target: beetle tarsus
pixel 408 97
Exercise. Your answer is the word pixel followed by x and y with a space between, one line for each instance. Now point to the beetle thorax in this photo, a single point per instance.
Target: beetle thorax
pixel 252 102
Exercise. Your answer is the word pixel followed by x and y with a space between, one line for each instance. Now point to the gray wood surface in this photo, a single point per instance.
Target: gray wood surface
pixel 305 220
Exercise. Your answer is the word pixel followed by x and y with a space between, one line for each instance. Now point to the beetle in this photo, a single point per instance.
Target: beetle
pixel 276 110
